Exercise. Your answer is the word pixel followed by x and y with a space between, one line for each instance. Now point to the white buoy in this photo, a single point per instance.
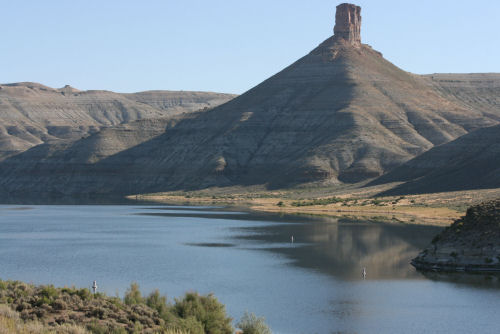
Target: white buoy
pixel 364 273
pixel 291 239
pixel 94 287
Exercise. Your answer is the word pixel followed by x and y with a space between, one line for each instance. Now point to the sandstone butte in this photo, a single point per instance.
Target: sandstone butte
pixel 340 114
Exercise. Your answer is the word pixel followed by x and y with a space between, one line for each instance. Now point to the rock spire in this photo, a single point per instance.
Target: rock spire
pixel 348 23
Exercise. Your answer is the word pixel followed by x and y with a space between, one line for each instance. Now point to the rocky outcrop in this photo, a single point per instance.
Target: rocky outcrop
pixel 471 243
pixel 348 23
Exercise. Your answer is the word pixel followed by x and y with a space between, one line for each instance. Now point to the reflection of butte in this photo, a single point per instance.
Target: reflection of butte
pixel 342 249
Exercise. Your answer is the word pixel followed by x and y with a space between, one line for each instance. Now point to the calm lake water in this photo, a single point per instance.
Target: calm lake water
pixel 313 285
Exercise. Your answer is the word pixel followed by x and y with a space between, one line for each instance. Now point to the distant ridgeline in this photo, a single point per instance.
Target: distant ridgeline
pixel 340 114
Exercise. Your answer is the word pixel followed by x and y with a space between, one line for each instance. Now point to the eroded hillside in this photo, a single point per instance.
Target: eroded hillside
pixel 32 114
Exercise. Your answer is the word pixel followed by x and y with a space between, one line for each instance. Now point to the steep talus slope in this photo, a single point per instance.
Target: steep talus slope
pixel 469 162
pixel 32 114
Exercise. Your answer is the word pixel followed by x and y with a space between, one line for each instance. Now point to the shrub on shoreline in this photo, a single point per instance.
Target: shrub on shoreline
pixel 57 310
pixel 251 324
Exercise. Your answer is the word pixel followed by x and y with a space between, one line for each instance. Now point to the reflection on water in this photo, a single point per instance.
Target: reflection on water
pixel 209 244
pixel 342 248
pixel 312 285
pixel 478 280
pixel 46 199
pixel 337 246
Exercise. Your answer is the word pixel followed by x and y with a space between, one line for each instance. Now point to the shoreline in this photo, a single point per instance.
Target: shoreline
pixel 439 216
pixel 439 209
pixel 455 267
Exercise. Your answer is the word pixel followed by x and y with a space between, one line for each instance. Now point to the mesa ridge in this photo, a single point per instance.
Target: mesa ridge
pixel 342 114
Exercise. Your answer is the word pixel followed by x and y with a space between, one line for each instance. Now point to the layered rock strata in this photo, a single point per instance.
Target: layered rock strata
pixel 32 114
pixel 471 243
pixel 340 114
pixel 470 162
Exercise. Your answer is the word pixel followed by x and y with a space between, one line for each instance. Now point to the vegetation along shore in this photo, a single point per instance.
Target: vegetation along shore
pixel 44 309
pixel 439 209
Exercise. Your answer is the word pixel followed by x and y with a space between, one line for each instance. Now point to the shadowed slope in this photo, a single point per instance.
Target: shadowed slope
pixel 338 114
pixel 470 162
pixel 341 113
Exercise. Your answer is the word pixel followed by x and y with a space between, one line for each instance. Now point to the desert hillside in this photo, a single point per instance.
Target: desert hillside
pixel 477 91
pixel 32 114
pixel 469 162
pixel 340 114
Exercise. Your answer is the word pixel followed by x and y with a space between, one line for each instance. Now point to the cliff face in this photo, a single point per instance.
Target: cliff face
pixel 348 23
pixel 471 243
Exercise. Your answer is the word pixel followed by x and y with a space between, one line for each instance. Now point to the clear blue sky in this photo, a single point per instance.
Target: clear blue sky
pixel 230 45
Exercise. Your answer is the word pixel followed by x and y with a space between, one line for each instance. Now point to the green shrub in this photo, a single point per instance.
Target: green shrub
pixel 205 309
pixel 319 201
pixel 43 301
pixel 189 325
pixel 158 303
pixel 84 294
pixel 49 291
pixel 69 291
pixel 133 295
pixel 99 313
pixel 251 324
pixel 59 305
pixel 97 328
pixel 119 330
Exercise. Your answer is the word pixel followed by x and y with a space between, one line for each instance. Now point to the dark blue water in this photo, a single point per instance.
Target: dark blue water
pixel 311 286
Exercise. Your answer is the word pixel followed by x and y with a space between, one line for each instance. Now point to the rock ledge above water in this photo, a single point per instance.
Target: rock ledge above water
pixel 471 243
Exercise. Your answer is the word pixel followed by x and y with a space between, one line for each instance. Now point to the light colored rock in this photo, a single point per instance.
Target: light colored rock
pixel 32 114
